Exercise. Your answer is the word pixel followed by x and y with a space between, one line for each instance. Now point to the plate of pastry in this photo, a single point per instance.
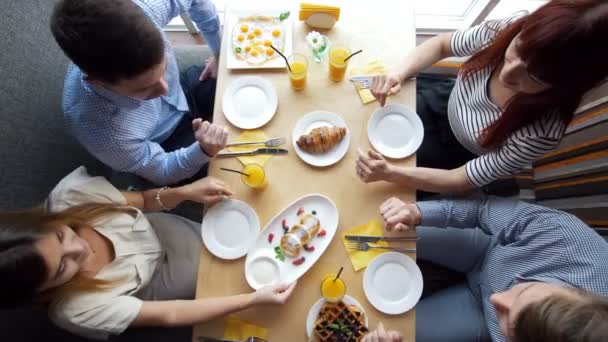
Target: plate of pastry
pixel 251 32
pixel 345 320
pixel 250 102
pixel 321 138
pixel 395 131
pixel 292 242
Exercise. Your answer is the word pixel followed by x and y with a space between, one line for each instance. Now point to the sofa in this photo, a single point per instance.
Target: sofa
pixel 36 152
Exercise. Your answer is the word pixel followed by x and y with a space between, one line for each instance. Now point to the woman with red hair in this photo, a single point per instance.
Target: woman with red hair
pixel 511 101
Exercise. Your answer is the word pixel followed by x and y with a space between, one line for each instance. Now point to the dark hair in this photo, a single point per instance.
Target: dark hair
pixel 560 318
pixel 22 268
pixel 108 40
pixel 562 44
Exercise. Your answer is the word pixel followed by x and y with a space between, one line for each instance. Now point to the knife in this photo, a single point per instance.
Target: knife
pixel 363 238
pixel 253 152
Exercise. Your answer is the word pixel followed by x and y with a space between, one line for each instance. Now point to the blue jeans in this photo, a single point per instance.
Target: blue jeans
pixel 453 314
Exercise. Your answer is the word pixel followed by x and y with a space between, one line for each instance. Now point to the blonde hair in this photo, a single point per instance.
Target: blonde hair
pixel 20 230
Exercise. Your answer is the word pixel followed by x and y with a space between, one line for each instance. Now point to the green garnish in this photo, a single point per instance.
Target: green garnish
pixel 279 253
pixel 339 326
pixel 237 49
pixel 284 16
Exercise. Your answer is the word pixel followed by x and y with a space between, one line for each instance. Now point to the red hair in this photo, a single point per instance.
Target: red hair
pixel 562 44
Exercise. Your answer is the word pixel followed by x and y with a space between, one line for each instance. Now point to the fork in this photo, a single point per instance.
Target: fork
pixel 268 143
pixel 254 339
pixel 364 247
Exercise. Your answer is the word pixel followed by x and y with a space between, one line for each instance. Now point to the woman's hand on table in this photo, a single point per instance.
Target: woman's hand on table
pixel 372 167
pixel 381 335
pixel 275 294
pixel 206 190
pixel 399 216
pixel 383 85
pixel 212 138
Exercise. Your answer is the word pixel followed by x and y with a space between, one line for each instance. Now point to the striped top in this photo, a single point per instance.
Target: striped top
pixel 529 243
pixel 126 134
pixel 470 111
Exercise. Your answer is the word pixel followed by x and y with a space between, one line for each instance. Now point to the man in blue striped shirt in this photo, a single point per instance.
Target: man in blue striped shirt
pixel 122 95
pixel 533 273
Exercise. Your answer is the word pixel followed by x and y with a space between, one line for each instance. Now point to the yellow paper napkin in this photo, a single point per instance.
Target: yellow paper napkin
pixel 249 136
pixel 238 330
pixel 359 259
pixel 374 67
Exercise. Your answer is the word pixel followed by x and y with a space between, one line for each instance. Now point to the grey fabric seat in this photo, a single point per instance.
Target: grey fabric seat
pixel 36 152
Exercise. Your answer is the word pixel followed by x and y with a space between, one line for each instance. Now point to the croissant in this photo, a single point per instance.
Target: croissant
pixel 321 139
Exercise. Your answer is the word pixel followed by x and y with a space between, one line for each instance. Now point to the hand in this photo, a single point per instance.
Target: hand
pixel 210 69
pixel 206 190
pixel 380 335
pixel 212 138
pixel 276 294
pixel 399 216
pixel 373 167
pixel 382 85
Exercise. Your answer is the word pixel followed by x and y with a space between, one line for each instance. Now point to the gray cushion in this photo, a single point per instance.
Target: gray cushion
pixel 35 150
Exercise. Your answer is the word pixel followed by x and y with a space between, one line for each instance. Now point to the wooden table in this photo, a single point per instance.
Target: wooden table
pixel 385 30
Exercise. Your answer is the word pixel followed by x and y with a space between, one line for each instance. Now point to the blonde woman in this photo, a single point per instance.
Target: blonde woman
pixel 101 265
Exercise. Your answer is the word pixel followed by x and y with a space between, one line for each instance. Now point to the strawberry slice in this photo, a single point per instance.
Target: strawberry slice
pixel 270 237
pixel 300 211
pixel 309 248
pixel 322 233
pixel 299 261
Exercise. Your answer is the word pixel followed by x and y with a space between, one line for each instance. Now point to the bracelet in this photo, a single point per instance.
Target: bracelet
pixel 160 203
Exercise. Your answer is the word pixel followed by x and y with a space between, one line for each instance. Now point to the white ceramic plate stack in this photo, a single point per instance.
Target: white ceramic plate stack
pixel 392 283
pixel 263 268
pixel 395 131
pixel 250 102
pixel 318 119
pixel 313 313
pixel 230 228
pixel 232 17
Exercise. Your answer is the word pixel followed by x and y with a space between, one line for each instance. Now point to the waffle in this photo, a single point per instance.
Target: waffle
pixel 334 313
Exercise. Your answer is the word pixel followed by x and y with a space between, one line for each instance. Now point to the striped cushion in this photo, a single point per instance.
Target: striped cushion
pixel 574 177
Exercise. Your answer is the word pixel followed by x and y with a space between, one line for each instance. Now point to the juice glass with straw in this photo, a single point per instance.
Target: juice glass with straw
pixel 299 70
pixel 333 287
pixel 338 62
pixel 254 176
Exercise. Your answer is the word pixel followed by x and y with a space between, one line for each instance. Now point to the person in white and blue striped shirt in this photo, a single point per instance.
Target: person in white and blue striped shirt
pixel 122 96
pixel 510 103
pixel 533 274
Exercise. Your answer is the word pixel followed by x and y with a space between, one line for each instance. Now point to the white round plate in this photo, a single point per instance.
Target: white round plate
pixel 230 228
pixel 392 283
pixel 250 102
pixel 313 120
pixel 313 313
pixel 264 269
pixel 395 131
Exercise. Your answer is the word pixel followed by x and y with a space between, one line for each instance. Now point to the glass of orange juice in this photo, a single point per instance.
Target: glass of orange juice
pixel 254 176
pixel 333 289
pixel 337 63
pixel 299 70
